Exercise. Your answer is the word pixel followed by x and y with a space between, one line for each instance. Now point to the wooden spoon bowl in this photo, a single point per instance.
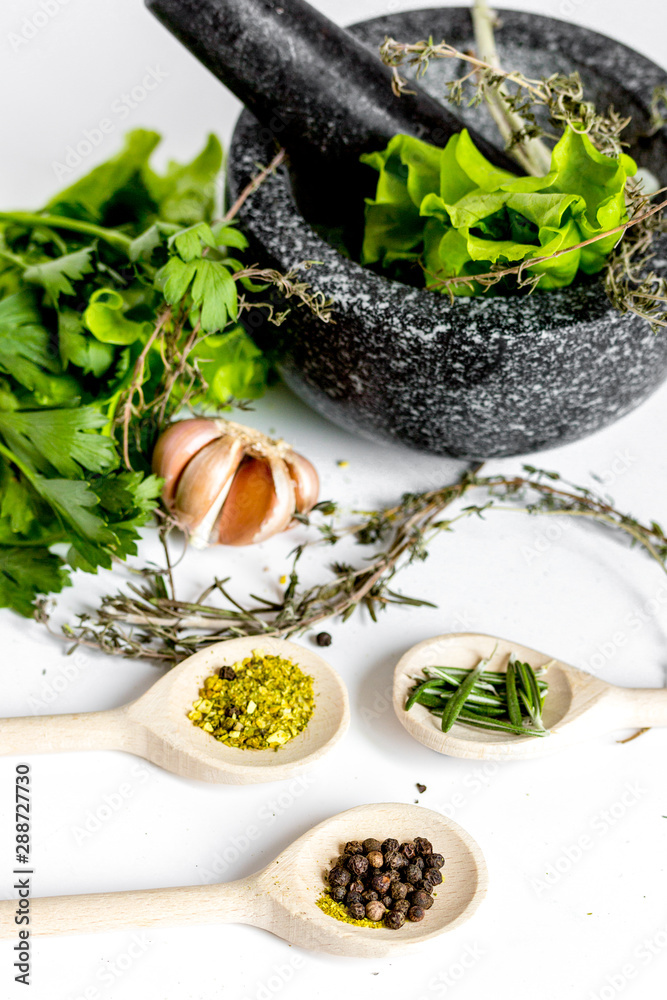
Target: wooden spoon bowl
pixel 282 898
pixel 577 705
pixel 157 728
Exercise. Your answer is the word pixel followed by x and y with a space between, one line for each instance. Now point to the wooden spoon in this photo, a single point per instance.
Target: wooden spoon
pixel 156 725
pixel 282 897
pixel 577 706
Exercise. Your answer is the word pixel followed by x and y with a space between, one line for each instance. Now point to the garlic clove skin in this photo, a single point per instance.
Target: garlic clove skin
pixel 306 481
pixel 204 485
pixel 176 447
pixel 260 503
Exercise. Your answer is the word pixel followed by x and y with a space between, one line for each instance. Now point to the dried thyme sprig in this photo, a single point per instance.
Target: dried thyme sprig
pixel 151 621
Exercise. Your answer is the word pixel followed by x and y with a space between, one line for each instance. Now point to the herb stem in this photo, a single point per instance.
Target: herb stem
pixel 34 220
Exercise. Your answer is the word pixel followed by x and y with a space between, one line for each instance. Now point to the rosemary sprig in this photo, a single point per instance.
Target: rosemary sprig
pixel 454 697
pixel 150 620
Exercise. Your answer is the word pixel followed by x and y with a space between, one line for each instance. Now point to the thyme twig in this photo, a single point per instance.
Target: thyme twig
pixel 150 621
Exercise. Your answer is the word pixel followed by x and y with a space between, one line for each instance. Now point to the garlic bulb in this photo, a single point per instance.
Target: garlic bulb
pixel 231 485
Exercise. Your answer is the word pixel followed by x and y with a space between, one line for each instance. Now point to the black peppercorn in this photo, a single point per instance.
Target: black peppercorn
pixel 425 886
pixel 339 876
pixel 357 910
pixel 423 846
pixel 227 674
pixel 380 882
pixel 433 876
pixel 371 844
pixel 419 862
pixel 434 861
pixel 421 899
pixel 399 890
pixel 394 859
pixel 388 901
pixel 394 876
pixel 389 845
pixel 353 847
pixel 338 893
pixel 401 906
pixel 357 864
pixel 413 874
pixel 356 885
pixel 368 895
pixel 394 919
pixel 323 639
pixel 408 850
pixel 375 910
pixel 415 913
pixel 353 897
pixel 375 859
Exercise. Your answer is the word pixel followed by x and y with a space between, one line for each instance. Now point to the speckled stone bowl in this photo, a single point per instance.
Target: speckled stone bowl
pixel 482 376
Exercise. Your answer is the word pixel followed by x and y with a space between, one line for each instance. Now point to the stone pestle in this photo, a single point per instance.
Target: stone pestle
pixel 320 92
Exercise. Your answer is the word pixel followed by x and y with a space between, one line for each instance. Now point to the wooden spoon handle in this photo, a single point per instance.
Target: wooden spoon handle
pixel 641 707
pixel 54 733
pixel 227 903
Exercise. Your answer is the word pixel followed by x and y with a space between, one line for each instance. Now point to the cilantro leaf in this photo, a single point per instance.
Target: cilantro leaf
pixel 26 352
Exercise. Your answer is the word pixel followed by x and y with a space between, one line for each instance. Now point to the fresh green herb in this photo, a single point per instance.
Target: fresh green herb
pixel 259 704
pixel 120 303
pixel 485 699
pixel 457 215
pixel 151 620
pixel 623 245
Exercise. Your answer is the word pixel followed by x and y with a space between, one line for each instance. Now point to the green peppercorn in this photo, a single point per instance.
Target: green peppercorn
pixel 375 910
pixel 339 876
pixel 394 919
pixel 416 913
pixel 371 844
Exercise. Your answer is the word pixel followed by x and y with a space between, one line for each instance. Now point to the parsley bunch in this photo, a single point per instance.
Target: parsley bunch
pixel 118 305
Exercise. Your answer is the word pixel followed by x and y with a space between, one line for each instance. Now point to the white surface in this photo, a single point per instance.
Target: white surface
pixel 575 844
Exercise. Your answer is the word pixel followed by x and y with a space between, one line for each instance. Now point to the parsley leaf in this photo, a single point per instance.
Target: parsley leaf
pixel 25 573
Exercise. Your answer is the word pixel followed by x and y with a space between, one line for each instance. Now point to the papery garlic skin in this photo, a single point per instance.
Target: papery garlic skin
pixel 231 485
pixel 176 447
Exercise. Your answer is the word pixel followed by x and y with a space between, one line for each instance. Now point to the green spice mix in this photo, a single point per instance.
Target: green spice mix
pixel 258 704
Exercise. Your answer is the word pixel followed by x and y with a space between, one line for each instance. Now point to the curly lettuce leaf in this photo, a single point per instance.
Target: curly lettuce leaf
pixel 465 215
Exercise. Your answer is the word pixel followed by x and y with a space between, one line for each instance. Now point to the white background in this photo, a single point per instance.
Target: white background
pixel 557 922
